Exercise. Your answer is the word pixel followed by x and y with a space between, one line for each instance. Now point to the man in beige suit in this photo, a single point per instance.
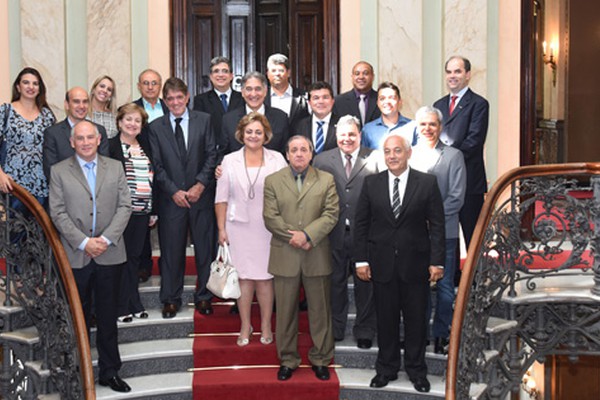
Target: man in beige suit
pixel 90 206
pixel 300 209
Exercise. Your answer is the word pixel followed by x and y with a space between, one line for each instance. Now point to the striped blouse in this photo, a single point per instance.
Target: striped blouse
pixel 139 173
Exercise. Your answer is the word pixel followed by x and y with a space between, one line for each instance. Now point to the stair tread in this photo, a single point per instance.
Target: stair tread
pixel 150 385
pixel 354 378
pixel 27 335
pixel 147 349
pixel 495 325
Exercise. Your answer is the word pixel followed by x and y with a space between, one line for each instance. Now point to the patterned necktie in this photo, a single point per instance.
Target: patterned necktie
pixel 452 103
pixel 224 101
pixel 179 139
pixel 362 108
pixel 91 179
pixel 348 165
pixel 320 143
pixel 396 199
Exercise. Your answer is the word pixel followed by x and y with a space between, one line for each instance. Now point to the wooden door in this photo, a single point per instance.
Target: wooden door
pixel 248 31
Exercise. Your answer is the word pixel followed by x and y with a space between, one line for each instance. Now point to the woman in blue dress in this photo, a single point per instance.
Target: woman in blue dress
pixel 22 126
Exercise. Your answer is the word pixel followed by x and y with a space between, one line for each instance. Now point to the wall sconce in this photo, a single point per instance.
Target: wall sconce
pixel 529 386
pixel 550 60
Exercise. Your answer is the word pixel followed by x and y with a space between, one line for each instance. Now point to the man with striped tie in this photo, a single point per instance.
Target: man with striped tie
pixel 319 127
pixel 399 244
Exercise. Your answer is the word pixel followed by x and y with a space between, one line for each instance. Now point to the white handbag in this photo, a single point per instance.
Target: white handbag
pixel 223 279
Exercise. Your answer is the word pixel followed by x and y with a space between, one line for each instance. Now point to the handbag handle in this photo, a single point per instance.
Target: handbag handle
pixel 223 253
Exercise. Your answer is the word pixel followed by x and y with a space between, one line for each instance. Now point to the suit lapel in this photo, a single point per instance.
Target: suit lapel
pixel 192 137
pixel 309 181
pixel 409 191
pixel 77 173
pixel 361 161
pixel 100 173
pixel 384 187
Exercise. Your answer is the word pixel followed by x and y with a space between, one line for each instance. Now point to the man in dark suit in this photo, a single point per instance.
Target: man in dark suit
pixel 349 163
pixel 149 85
pixel 184 156
pixel 222 98
pixel 254 90
pixel 399 244
pixel 465 127
pixel 361 101
pixel 282 95
pixel 90 207
pixel 57 138
pixel 320 126
pixel 300 209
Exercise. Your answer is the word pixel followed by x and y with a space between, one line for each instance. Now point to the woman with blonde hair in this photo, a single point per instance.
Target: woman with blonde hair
pixel 238 208
pixel 103 100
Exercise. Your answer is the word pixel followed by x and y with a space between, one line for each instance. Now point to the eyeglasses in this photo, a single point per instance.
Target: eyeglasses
pixel 219 71
pixel 150 83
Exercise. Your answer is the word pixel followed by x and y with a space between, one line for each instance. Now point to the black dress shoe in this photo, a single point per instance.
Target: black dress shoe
pixel 421 385
pixel 169 310
pixel 234 309
pixel 284 373
pixel 382 380
pixel 303 306
pixel 321 372
pixel 364 343
pixel 143 276
pixel 115 383
pixel 402 344
pixel 204 307
pixel 439 345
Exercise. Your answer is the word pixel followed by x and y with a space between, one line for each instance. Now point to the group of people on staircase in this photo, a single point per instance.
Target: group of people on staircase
pixel 365 192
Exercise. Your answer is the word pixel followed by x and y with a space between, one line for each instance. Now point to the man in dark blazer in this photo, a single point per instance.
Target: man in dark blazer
pixel 362 92
pixel 254 90
pixel 465 128
pixel 349 163
pixel 300 209
pixel 282 94
pixel 184 157
pixel 320 98
pixel 222 98
pixel 90 207
pixel 399 244
pixel 57 138
pixel 149 85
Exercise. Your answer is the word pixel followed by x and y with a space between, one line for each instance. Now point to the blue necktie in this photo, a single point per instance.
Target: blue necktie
pixel 224 101
pixel 320 143
pixel 91 178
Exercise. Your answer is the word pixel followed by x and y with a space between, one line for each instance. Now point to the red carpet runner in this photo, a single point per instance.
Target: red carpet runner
pixel 250 383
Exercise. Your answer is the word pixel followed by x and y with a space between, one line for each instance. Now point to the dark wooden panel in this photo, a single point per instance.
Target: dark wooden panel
pixel 272 35
pixel 201 51
pixel 308 65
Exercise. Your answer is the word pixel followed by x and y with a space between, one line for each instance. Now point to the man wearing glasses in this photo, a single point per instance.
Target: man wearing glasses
pixel 149 85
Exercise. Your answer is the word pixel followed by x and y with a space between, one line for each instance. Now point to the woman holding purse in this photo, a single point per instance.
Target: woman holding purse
pixel 238 209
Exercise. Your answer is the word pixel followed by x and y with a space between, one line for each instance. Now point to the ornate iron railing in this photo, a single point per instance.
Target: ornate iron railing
pixel 534 226
pixel 37 280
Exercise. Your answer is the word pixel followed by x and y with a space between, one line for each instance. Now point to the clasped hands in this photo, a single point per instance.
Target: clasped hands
pixel 185 199
pixel 298 240
pixel 95 247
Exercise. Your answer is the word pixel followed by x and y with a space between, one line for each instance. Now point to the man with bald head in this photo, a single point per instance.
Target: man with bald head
pixel 361 101
pixel 57 138
pixel 399 245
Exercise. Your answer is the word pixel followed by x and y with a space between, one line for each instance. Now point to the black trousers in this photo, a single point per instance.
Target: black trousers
pixel 129 295
pixel 102 282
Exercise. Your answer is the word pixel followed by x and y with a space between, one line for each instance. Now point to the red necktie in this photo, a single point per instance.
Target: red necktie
pixel 452 103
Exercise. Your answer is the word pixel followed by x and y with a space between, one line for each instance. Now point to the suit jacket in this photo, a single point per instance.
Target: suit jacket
pixel 451 174
pixel 279 126
pixel 314 211
pixel 57 144
pixel 210 103
pixel 305 125
pixel 368 162
pixel 71 208
pixel 143 136
pixel 466 130
pixel 412 242
pixel 171 173
pixel 346 104
pixel 299 108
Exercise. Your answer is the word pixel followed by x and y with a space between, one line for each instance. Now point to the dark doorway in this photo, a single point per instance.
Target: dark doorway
pixel 248 31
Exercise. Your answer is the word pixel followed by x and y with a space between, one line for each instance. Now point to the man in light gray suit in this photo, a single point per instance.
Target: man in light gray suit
pixel 447 164
pixel 90 206
pixel 349 164
pixel 184 156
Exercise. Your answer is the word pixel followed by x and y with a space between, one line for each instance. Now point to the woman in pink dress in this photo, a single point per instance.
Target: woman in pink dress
pixel 238 208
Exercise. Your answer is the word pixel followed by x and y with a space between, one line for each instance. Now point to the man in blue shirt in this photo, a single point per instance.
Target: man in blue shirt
pixel 389 103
